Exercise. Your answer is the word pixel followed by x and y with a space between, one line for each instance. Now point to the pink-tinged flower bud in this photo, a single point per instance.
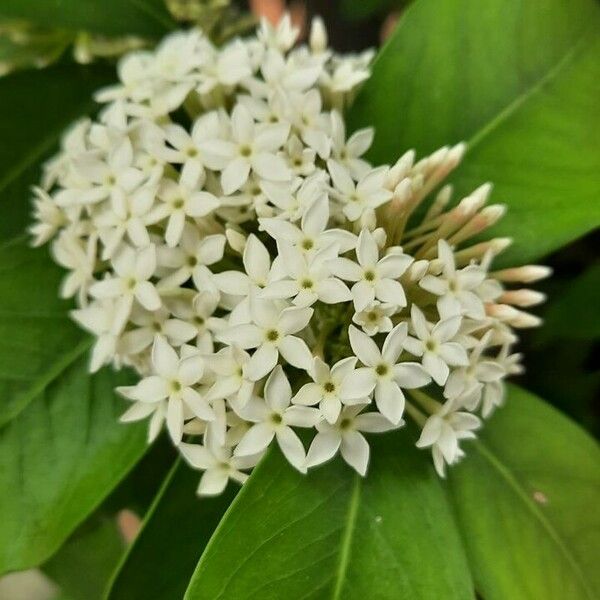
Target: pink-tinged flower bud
pixel 523 297
pixel 512 316
pixel 525 274
pixel 400 169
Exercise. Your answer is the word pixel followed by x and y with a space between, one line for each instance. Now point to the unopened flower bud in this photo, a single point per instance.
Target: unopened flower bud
pixel 525 274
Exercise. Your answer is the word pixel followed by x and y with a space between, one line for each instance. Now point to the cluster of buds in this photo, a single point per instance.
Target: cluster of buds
pixel 227 239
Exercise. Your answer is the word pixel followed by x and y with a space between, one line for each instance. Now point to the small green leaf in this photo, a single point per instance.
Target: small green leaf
pixel 526 499
pixel 519 83
pixel 109 17
pixel 332 534
pixel 37 338
pixel 36 108
pixel 59 459
pixel 181 519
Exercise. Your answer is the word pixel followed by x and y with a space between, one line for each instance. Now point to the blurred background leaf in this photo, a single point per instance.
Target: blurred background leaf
pixel 32 124
pixel 59 459
pixel 486 73
pixel 178 516
pixel 109 17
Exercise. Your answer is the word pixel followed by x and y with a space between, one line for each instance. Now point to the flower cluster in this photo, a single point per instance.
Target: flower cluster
pixel 227 239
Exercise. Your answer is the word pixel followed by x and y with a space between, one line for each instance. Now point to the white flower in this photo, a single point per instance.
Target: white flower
pixel 442 432
pixel 231 381
pixel 200 316
pixel 456 288
pixel 375 318
pixel 306 280
pixel 374 278
pixel 345 436
pixel 273 418
pixel 181 200
pixel 348 152
pixel 172 385
pixel 191 258
pixel 128 216
pixel 434 344
pixel 218 465
pixel 106 322
pixel 466 385
pixel 48 217
pixel 79 256
pixel 359 200
pixel 133 269
pixel 185 148
pixel 271 334
pixel 228 67
pixel 312 235
pixel 257 266
pixel 250 148
pixel 385 372
pixel 114 178
pixel 333 387
pixel 149 324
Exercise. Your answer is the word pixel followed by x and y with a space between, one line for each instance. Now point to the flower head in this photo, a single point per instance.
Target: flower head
pixel 260 275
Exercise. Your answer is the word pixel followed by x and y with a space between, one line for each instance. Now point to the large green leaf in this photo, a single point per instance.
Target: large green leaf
pixel 37 339
pixel 331 534
pixel 183 521
pixel 109 17
pixel 59 459
pixel 36 107
pixel 526 500
pixel 517 79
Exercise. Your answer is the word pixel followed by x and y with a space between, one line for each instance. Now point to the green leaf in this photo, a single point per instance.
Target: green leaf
pixel 94 550
pixel 332 534
pixel 572 312
pixel 34 51
pixel 523 501
pixel 181 519
pixel 37 338
pixel 519 81
pixel 59 459
pixel 109 17
pixel 526 501
pixel 36 108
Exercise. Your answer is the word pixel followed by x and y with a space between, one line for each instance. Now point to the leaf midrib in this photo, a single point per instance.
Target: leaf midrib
pixel 346 541
pixel 513 483
pixel 512 107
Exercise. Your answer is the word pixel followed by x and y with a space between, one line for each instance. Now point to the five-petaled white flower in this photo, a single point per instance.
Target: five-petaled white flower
pixel 455 288
pixel 180 200
pixel 306 279
pixel 385 373
pixel 273 418
pixel 374 277
pixel 218 464
pixel 434 344
pixel 345 435
pixel 173 385
pixel 359 200
pixel 271 333
pixel 133 270
pixel 442 432
pixel 250 148
pixel 334 387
